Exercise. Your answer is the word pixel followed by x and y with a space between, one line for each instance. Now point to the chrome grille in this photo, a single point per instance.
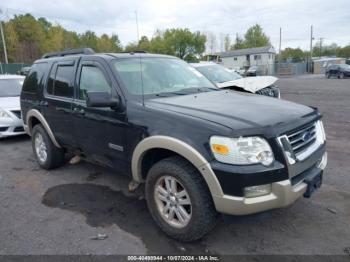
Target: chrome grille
pixel 17 113
pixel 303 138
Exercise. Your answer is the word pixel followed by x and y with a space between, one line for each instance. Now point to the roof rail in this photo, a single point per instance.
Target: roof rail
pixel 136 52
pixel 85 51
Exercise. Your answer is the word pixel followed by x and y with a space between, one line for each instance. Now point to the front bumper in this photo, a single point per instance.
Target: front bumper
pixel 11 127
pixel 283 193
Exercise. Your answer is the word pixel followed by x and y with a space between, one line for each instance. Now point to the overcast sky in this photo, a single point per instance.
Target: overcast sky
pixel 331 19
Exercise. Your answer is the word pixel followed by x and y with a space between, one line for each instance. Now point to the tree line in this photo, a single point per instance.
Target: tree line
pixel 28 38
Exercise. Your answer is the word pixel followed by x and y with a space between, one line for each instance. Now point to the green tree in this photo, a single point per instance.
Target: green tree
pixel 255 37
pixel 294 54
pixel 239 43
pixel 344 51
pixel 183 43
pixel 31 37
pixel 12 43
pixel 88 39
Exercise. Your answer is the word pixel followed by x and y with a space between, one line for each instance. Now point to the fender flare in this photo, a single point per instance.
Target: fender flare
pixel 181 148
pixel 34 113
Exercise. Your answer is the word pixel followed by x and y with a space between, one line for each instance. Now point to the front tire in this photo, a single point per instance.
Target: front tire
pixel 179 200
pixel 46 153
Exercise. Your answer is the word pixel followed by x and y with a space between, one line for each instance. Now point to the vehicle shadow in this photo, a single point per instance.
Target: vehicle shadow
pixel 103 206
pixel 14 139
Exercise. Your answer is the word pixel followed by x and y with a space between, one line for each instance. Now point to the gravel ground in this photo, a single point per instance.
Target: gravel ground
pixel 59 211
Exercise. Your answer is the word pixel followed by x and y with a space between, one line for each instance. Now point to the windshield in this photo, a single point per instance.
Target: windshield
pixel 10 87
pixel 218 74
pixel 160 76
pixel 345 66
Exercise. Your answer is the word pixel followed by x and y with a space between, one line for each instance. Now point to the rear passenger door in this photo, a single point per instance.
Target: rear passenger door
pixel 57 106
pixel 99 131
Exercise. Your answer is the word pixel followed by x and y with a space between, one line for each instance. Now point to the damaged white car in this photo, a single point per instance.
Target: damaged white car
pixel 225 78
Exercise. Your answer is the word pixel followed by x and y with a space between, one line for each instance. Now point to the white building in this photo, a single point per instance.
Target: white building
pixel 263 57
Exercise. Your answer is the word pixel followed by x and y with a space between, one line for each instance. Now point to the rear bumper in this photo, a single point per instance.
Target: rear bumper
pixel 283 193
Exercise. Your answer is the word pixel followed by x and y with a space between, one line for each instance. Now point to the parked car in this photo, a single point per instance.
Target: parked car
pixel 24 71
pixel 253 71
pixel 227 79
pixel 199 150
pixel 10 112
pixel 340 71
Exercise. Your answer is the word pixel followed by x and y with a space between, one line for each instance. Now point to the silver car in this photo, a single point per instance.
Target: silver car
pixel 11 123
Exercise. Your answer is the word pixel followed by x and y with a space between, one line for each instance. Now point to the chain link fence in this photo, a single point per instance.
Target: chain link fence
pixel 12 68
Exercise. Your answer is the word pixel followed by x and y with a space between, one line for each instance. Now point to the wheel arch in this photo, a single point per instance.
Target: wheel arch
pixel 177 147
pixel 34 117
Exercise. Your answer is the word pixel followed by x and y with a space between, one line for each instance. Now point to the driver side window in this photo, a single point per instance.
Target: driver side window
pixel 92 79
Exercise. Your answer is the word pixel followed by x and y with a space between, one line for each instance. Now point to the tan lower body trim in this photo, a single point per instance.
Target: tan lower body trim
pixel 283 194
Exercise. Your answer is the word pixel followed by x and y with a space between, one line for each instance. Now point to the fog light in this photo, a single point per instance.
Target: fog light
pixel 255 191
pixel 323 163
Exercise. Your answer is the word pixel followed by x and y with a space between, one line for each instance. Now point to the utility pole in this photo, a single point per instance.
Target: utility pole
pixel 311 38
pixel 279 48
pixel 3 40
pixel 137 29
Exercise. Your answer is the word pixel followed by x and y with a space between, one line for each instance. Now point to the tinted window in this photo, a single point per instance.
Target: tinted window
pixel 92 79
pixel 60 81
pixel 10 87
pixel 35 77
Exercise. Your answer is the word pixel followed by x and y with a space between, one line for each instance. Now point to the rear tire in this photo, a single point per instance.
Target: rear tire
pixel 190 196
pixel 341 75
pixel 328 75
pixel 46 153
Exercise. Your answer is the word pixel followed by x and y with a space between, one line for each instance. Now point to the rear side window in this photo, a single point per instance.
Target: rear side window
pixel 60 81
pixel 35 77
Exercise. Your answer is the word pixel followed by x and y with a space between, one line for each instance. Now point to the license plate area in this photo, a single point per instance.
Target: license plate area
pixel 314 182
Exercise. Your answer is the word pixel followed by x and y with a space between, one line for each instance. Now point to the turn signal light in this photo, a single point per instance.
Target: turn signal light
pixel 220 149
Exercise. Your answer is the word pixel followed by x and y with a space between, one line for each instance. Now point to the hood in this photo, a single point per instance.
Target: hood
pixel 250 84
pixel 236 110
pixel 10 102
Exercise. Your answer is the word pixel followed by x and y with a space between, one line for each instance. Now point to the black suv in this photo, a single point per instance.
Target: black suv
pixel 199 150
pixel 340 71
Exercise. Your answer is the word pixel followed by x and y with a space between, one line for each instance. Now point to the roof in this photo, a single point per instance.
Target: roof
pixel 104 55
pixel 11 77
pixel 248 51
pixel 326 59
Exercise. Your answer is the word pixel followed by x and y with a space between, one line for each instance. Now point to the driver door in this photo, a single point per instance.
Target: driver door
pixel 99 132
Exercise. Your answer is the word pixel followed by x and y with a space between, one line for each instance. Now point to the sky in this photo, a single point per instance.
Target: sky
pixel 220 17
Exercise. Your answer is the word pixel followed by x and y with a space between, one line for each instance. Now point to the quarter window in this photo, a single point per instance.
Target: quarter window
pixel 92 79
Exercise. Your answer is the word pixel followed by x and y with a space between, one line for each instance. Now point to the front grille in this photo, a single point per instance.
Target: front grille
pixel 18 129
pixel 17 113
pixel 301 139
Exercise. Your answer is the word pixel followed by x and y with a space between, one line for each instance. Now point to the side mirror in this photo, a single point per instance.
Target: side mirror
pixel 101 99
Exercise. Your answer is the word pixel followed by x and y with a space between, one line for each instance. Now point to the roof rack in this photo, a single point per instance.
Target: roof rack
pixel 136 52
pixel 84 51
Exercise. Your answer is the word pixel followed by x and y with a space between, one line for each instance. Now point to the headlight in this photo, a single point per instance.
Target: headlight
pixel 3 114
pixel 242 150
